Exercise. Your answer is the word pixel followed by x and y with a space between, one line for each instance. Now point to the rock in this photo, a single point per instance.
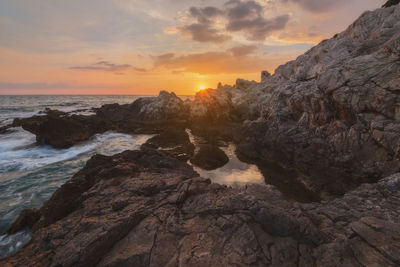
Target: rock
pixel 166 216
pixel 174 141
pixel 4 129
pixel 26 219
pixel 145 115
pixel 264 76
pixel 167 106
pixel 390 3
pixel 331 115
pixel 244 84
pixel 60 130
pixel 210 106
pixel 209 157
pixel 318 113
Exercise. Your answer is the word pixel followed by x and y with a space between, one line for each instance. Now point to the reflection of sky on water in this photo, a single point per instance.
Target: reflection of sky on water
pixel 234 172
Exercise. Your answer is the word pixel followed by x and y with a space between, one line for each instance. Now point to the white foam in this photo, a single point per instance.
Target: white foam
pixel 19 152
pixel 11 243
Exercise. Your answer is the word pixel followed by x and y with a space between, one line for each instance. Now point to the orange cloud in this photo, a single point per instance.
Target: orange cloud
pixel 238 59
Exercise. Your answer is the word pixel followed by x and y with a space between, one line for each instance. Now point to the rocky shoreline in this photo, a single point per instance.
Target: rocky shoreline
pixel 323 125
pixel 145 208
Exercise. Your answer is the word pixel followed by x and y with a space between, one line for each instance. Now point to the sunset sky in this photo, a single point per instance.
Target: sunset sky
pixel 144 46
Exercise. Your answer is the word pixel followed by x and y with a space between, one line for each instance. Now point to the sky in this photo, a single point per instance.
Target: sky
pixel 144 46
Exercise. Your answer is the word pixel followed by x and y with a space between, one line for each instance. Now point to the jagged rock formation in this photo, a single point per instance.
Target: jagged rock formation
pixel 390 3
pixel 146 115
pixel 144 208
pixel 334 112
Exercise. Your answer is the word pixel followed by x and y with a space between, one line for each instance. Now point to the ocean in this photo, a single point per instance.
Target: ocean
pixel 29 174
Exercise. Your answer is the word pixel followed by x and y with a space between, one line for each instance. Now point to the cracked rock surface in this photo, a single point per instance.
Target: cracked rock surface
pixel 333 113
pixel 145 208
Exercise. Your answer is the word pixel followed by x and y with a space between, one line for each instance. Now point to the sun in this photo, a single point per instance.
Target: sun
pixel 202 87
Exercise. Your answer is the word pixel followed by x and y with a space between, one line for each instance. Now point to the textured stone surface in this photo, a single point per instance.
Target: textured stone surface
pixel 144 208
pixel 145 115
pixel 333 113
pixel 174 141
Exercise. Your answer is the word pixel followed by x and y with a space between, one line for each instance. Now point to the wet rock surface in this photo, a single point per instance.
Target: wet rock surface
pixel 146 115
pixel 174 141
pixel 209 157
pixel 145 208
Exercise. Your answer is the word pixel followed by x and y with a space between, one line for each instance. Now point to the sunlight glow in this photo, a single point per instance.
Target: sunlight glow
pixel 202 87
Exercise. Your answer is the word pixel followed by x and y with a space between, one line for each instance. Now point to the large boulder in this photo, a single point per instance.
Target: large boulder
pixel 61 130
pixel 174 141
pixel 209 157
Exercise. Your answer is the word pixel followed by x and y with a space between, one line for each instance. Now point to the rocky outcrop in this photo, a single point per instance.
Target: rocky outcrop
pixel 334 112
pixel 61 130
pixel 144 208
pixel 145 115
pixel 331 116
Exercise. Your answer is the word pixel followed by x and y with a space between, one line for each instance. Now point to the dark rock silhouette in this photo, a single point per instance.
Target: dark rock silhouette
pixel 174 141
pixel 390 3
pixel 209 157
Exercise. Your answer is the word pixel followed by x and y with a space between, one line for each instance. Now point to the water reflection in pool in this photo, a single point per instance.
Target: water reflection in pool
pixel 235 172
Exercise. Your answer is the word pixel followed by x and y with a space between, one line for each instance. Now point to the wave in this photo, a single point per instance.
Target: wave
pixel 29 174
pixel 65 104
pixel 11 243
pixel 19 151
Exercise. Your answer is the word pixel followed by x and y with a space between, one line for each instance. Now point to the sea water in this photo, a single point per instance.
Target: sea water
pixel 30 173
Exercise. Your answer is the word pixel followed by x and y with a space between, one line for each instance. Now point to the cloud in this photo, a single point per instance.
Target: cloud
pixel 248 17
pixel 258 29
pixel 204 33
pixel 108 67
pixel 318 5
pixel 216 25
pixel 204 15
pixel 243 50
pixel 238 59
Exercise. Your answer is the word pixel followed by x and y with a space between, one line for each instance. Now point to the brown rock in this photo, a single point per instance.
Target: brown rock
pixel 161 214
pixel 209 157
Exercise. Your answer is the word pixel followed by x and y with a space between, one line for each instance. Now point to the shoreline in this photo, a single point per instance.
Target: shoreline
pixel 331 117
